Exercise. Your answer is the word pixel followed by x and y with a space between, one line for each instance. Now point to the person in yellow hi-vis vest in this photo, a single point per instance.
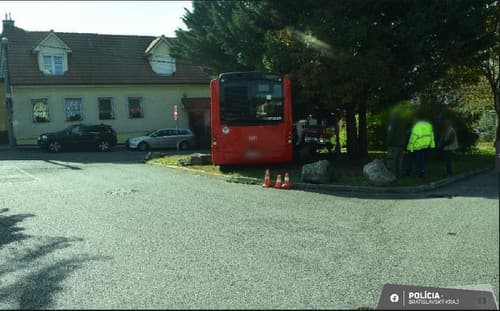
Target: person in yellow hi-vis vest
pixel 421 139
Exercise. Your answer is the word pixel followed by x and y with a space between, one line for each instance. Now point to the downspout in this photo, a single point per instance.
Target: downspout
pixel 8 93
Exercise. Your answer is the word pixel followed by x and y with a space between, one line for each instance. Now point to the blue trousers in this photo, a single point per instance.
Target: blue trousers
pixel 416 156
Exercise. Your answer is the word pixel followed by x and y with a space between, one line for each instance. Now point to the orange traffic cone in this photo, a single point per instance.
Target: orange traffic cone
pixel 287 184
pixel 267 180
pixel 278 183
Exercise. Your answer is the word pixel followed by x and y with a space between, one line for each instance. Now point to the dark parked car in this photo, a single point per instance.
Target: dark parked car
pixel 80 136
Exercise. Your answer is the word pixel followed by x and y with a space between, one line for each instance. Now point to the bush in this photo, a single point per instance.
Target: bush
pixel 461 121
pixel 486 126
pixel 377 130
pixel 377 123
pixel 435 113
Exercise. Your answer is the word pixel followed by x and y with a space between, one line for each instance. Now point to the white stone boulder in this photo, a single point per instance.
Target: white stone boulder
pixel 316 172
pixel 378 174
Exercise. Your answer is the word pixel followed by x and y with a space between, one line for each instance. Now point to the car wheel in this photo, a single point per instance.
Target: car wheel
pixel 143 146
pixel 103 146
pixel 55 146
pixel 184 145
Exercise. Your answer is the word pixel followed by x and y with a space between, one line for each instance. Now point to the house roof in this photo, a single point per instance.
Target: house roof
pixel 94 59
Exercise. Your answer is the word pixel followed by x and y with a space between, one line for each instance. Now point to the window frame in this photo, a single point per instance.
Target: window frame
pixel 80 110
pixel 33 102
pixel 53 64
pixel 141 106
pixel 113 110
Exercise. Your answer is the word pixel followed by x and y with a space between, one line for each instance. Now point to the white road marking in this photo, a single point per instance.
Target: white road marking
pixel 18 169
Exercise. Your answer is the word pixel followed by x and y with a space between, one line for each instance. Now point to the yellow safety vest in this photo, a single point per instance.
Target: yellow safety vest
pixel 422 137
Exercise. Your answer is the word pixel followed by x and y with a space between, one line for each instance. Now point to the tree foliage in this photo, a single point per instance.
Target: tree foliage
pixel 351 54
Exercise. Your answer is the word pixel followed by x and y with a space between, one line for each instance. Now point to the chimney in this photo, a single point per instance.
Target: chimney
pixel 7 22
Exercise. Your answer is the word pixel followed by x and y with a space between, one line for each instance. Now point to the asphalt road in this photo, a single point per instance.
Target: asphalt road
pixel 101 230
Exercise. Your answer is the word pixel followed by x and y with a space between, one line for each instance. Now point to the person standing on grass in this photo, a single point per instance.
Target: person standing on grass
pixel 396 141
pixel 448 143
pixel 421 139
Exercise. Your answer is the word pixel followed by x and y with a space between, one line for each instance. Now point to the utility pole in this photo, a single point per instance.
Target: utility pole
pixel 497 162
pixel 8 91
pixel 176 118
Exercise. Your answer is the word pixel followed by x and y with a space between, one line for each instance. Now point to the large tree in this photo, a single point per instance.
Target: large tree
pixel 360 55
pixel 221 36
pixel 385 50
pixel 488 60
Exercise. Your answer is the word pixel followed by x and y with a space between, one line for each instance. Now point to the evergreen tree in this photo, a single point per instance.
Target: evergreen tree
pixel 358 55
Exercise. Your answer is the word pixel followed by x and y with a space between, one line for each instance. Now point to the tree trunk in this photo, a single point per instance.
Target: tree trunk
pixel 338 126
pixel 352 133
pixel 363 136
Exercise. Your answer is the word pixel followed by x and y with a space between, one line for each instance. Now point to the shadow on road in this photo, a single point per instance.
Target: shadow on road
pixel 30 276
pixel 9 231
pixel 71 167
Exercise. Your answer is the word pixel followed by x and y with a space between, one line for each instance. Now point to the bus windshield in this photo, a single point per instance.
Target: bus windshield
pixel 251 102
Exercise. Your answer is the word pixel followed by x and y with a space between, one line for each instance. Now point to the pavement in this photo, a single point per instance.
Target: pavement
pixel 101 230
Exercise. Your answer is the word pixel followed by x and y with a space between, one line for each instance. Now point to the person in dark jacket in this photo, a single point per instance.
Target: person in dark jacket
pixel 396 142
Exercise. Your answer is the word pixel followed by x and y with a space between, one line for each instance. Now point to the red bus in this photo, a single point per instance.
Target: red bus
pixel 251 116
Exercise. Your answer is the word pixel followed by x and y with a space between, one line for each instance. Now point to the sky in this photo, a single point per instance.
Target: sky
pixel 105 17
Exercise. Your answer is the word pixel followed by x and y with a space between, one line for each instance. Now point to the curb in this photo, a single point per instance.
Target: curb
pixel 343 188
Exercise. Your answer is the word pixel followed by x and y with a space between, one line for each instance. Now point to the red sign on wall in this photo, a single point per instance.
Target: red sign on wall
pixel 176 114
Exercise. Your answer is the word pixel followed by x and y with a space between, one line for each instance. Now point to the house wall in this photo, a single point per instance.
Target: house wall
pixel 158 102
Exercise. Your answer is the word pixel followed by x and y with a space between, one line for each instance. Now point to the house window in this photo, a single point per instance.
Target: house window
pixel 135 107
pixel 106 111
pixel 40 110
pixel 53 64
pixel 73 109
pixel 163 65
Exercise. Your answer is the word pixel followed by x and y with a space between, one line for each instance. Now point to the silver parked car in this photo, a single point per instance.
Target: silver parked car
pixel 163 138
